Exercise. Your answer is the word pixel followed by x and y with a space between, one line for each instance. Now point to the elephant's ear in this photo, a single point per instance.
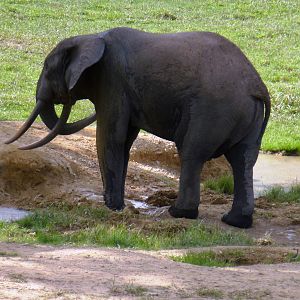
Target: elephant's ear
pixel 86 53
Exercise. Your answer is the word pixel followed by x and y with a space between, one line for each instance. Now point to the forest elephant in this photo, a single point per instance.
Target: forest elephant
pixel 196 89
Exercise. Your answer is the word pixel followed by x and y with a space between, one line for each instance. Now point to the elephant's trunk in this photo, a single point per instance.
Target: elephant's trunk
pixel 54 132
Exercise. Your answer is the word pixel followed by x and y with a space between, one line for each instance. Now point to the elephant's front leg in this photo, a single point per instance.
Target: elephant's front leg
pixel 113 152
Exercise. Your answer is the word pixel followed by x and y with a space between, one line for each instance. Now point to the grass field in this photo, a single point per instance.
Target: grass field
pixel 267 31
pixel 85 225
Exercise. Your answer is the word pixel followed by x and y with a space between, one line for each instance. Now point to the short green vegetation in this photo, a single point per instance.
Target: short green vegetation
pixel 237 257
pixel 267 31
pixel 8 253
pixel 205 258
pixel 279 194
pixel 97 226
pixel 210 293
pixel 129 289
pixel 223 184
pixel 135 290
pixel 283 134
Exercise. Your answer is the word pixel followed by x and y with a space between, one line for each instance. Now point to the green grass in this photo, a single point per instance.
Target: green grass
pixel 223 184
pixel 280 195
pixel 205 258
pixel 8 253
pixel 210 293
pixel 135 290
pixel 267 31
pixel 100 227
pixel 237 257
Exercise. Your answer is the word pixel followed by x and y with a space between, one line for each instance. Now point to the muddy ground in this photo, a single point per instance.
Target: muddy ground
pixel 67 169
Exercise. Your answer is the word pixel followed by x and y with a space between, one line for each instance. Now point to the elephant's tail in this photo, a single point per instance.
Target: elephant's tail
pixel 267 103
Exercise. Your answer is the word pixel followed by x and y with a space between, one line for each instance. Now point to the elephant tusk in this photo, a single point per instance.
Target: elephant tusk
pixel 71 128
pixel 49 117
pixel 38 107
pixel 55 131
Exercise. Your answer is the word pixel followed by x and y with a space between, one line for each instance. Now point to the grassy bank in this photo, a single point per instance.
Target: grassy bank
pixel 85 225
pixel 238 257
pixel 267 31
pixel 279 194
pixel 223 184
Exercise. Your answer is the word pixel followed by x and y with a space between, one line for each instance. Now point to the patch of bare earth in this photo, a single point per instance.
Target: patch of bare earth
pixel 101 273
pixel 67 170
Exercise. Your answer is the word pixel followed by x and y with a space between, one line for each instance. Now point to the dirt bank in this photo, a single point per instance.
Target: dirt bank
pixel 88 273
pixel 67 170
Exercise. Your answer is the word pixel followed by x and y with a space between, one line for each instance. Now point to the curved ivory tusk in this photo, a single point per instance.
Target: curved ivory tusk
pixel 71 128
pixel 55 131
pixel 38 107
pixel 49 117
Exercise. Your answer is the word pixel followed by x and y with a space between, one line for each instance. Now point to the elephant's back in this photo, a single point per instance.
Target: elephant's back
pixel 201 60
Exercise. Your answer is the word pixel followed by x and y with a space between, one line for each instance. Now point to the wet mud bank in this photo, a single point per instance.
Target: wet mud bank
pixel 67 170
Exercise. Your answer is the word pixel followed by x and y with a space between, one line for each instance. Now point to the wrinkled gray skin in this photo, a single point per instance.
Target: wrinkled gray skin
pixel 196 89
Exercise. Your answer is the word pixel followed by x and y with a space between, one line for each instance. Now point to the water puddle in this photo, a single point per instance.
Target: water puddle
pixel 272 170
pixel 147 209
pixel 9 214
pixel 287 236
pixel 90 195
pixel 139 204
pixel 290 234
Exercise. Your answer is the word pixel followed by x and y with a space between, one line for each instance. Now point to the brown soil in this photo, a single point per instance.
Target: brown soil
pixel 67 170
pixel 160 153
pixel 44 272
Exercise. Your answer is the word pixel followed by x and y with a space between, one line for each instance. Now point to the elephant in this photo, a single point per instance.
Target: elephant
pixel 196 89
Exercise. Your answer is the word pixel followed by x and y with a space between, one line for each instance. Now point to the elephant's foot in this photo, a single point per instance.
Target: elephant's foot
pixel 183 213
pixel 116 208
pixel 237 220
pixel 113 205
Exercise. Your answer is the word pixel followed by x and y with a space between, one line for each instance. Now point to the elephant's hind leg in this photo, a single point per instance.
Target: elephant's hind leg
pixel 242 158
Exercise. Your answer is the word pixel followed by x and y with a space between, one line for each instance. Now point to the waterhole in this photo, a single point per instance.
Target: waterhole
pixel 272 170
pixel 9 214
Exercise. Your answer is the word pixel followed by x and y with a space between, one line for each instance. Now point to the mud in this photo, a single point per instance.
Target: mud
pixel 24 172
pixel 66 170
pixel 162 198
pixel 151 150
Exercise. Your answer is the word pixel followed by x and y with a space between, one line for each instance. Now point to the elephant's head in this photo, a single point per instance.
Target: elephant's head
pixel 59 84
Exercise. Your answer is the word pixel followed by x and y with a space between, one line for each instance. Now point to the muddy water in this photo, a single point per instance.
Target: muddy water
pixel 8 214
pixel 273 170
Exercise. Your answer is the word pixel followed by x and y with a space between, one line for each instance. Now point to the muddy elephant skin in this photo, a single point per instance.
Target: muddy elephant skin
pixel 196 89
